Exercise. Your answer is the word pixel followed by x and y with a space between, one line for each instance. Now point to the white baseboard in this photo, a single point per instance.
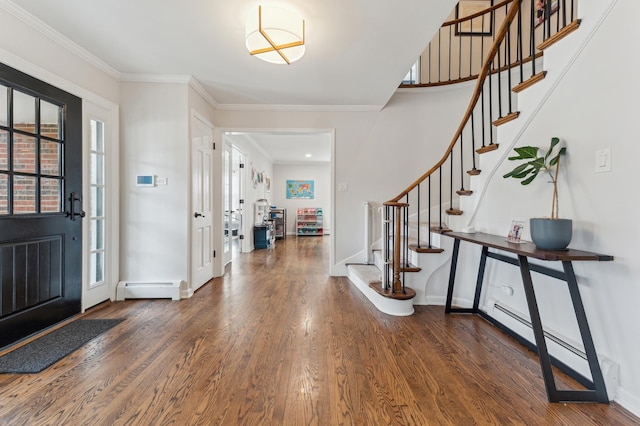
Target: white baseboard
pixel 628 401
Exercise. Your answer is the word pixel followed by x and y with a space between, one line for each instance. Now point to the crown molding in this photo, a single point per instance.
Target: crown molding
pixel 155 78
pixel 300 108
pixel 199 88
pixel 58 38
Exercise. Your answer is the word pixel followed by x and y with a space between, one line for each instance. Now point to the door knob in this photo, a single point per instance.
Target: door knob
pixel 196 215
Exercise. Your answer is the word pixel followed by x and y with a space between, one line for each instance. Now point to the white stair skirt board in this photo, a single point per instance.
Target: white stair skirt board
pixel 149 290
pixel 362 275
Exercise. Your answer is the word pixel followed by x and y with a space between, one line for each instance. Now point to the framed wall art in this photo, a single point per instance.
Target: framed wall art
pixel 300 189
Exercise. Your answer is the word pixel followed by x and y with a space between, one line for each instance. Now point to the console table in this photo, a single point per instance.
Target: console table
pixel 597 391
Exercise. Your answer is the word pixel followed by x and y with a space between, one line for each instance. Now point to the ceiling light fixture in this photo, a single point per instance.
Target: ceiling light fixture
pixel 308 155
pixel 275 35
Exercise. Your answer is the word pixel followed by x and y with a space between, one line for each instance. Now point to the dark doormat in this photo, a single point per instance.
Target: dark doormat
pixel 39 354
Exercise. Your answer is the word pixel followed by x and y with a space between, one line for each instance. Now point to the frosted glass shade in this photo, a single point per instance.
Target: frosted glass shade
pixel 275 35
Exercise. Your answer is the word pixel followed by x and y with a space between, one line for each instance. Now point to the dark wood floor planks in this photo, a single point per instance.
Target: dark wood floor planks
pixel 276 341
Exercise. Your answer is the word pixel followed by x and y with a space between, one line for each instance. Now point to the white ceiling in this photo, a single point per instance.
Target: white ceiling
pixel 288 148
pixel 357 52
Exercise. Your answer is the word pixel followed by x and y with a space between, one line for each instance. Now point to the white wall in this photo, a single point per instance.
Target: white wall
pixel 154 221
pixel 594 107
pixel 320 173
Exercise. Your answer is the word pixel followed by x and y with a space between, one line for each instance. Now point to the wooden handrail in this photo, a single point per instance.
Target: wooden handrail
pixel 500 35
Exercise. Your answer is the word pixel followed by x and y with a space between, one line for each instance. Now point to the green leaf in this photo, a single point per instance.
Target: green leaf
pixel 554 160
pixel 530 179
pixel 538 163
pixel 554 142
pixel 517 170
pixel 525 152
pixel 524 173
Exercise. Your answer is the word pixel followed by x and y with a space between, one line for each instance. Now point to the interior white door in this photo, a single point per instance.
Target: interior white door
pixel 238 197
pixel 201 203
pixel 227 203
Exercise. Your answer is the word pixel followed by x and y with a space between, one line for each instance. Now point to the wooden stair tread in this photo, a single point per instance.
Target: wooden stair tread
pixel 454 212
pixel 574 25
pixel 405 268
pixel 440 230
pixel 409 293
pixel 488 148
pixel 464 192
pixel 424 249
pixel 474 172
pixel 530 82
pixel 507 118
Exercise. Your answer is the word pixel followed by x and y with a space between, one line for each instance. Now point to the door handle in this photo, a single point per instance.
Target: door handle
pixel 73 198
pixel 196 215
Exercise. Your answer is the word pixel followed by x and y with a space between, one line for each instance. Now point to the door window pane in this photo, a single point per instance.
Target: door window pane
pixel 4 194
pixel 50 120
pixel 24 112
pixel 97 136
pixel 50 195
pixel 97 201
pixel 3 106
pixel 97 168
pixel 50 155
pixel 97 268
pixel 97 234
pixel 24 194
pixel 24 153
pixel 4 150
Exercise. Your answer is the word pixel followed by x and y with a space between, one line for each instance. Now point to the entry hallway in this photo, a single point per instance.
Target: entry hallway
pixel 277 341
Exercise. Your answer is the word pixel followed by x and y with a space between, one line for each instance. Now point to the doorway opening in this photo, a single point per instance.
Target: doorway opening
pixel 233 235
pixel 271 158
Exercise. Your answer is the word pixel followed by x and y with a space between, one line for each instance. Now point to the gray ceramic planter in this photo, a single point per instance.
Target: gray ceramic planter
pixel 551 234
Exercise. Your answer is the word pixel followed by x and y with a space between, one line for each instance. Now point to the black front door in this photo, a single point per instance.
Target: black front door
pixel 40 205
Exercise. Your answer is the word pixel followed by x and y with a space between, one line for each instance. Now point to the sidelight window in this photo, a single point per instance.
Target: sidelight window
pixel 97 211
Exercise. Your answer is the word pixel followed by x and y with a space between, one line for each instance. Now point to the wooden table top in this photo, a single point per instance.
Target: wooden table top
pixel 527 248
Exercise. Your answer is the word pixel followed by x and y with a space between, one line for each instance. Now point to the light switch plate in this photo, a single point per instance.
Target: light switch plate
pixel 603 160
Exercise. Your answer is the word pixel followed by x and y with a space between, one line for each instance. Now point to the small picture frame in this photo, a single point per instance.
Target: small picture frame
pixel 515 232
pixel 541 7
pixel 479 26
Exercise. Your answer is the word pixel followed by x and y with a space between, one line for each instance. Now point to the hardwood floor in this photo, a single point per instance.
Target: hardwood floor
pixel 277 341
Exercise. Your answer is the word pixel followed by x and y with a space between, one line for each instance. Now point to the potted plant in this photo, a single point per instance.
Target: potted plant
pixel 547 233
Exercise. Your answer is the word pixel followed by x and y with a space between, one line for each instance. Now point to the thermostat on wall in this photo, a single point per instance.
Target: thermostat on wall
pixel 145 180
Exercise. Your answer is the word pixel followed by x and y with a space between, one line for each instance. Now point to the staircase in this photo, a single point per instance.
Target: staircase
pixel 447 195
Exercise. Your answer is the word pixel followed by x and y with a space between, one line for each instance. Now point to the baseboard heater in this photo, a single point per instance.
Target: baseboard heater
pixel 504 315
pixel 149 290
pixel 557 340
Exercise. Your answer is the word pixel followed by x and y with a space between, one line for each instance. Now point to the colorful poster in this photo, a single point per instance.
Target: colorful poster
pixel 300 189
